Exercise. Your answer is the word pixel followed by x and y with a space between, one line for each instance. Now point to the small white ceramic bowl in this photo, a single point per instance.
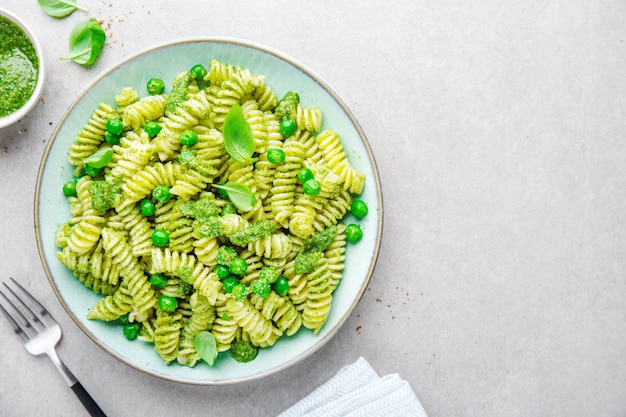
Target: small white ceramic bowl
pixel 34 98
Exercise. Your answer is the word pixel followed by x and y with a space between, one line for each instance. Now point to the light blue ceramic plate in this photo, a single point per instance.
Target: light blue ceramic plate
pixel 166 61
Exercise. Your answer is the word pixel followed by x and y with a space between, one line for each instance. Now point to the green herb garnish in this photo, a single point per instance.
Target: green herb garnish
pixel 206 346
pixel 100 158
pixel 60 8
pixel 238 138
pixel 239 194
pixel 86 41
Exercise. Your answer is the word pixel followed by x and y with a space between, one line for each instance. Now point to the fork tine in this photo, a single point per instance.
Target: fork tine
pixel 5 313
pixel 18 322
pixel 34 306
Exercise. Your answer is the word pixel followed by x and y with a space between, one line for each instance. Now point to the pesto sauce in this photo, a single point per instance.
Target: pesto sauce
pixel 19 67
pixel 257 230
pixel 104 195
pixel 287 106
pixel 189 159
pixel 179 94
pixel 312 249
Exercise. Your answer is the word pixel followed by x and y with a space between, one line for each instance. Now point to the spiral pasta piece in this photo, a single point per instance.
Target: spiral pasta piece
pixel 136 114
pixel 205 250
pixel 282 195
pixel 319 297
pixel 274 246
pixel 138 286
pixel 334 211
pixel 261 330
pixel 139 230
pixel 337 160
pixel 86 233
pixel 195 108
pixel 224 328
pixel 112 307
pixel 91 135
pixel 308 118
pixel 256 119
pixel 201 319
pixel 335 255
pixel 130 156
pixel 167 334
pixel 170 218
pixel 280 310
pixel 125 98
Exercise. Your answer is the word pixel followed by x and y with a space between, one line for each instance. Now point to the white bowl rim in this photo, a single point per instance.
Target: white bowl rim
pixel 34 98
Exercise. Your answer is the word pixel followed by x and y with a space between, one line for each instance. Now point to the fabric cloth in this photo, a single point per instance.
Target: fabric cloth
pixel 357 390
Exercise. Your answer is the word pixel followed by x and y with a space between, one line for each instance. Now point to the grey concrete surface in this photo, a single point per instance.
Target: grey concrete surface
pixel 499 132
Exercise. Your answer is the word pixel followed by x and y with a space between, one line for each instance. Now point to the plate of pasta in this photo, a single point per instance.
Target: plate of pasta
pixel 209 211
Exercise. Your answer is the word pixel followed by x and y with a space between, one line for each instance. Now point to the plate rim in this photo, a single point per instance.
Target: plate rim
pixel 316 78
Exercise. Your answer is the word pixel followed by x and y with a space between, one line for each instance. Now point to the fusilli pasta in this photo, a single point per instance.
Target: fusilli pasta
pixel 109 241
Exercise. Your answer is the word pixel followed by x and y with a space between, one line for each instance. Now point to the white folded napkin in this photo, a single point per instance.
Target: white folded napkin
pixel 357 390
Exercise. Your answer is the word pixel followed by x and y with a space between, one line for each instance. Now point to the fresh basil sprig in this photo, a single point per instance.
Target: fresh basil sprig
pixel 60 8
pixel 239 195
pixel 86 41
pixel 238 138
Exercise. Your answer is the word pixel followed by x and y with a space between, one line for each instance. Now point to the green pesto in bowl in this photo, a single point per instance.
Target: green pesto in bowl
pixel 19 67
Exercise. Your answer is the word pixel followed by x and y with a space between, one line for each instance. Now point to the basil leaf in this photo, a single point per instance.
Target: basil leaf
pixel 86 41
pixel 239 194
pixel 238 138
pixel 60 8
pixel 100 158
pixel 205 345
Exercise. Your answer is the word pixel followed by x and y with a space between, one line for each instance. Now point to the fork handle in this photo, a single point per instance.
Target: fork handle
pixel 82 394
pixel 88 402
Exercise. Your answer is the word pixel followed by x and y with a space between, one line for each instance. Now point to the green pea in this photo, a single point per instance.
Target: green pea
pixel 359 209
pixel 221 271
pixel 312 187
pixel 69 189
pixel 198 71
pixel 188 138
pixel 240 292
pixel 288 127
pixel 167 303
pixel 353 233
pixel 114 126
pixel 281 286
pixel 160 237
pixel 147 208
pixel 158 280
pixel 222 193
pixel 238 266
pixel 161 193
pixel 229 283
pixel 304 175
pixel 111 138
pixel 131 331
pixel 152 128
pixel 124 319
pixel 155 86
pixel 92 172
pixel 276 156
pixel 261 288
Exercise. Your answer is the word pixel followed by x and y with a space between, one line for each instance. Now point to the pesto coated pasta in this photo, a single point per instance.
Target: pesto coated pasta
pixel 159 229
